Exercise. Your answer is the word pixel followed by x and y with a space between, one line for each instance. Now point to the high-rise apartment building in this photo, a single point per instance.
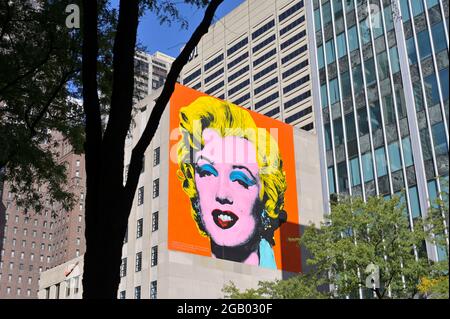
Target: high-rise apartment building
pixel 150 72
pixel 381 98
pixel 35 242
pixel 257 56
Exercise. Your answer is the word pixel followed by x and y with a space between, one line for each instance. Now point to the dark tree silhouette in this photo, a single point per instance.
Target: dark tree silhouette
pixel 108 201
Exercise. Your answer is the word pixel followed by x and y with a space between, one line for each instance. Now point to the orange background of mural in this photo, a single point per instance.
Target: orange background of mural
pixel 183 231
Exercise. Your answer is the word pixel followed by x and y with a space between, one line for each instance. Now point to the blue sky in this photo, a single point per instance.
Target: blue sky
pixel 170 40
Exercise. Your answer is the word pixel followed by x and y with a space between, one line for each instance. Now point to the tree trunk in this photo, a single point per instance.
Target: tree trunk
pixel 108 202
pixel 104 242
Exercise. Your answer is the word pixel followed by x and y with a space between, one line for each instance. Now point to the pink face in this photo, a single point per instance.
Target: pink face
pixel 227 181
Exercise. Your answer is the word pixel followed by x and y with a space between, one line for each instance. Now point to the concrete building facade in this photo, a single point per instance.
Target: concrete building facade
pixel 257 56
pixel 149 268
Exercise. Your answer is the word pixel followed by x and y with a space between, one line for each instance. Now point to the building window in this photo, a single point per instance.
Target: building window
pixel 156 188
pixel 154 257
pixel 76 284
pixel 140 225
pixel 237 74
pixel 238 87
pixel 237 60
pixel 380 160
pixel 296 7
pixel 137 292
pixel 192 76
pixel 138 262
pixel 125 238
pixel 341 45
pixel 153 289
pixel 68 288
pixel 425 47
pixel 123 267
pixel 237 46
pixel 394 157
pixel 440 142
pixel 262 44
pixel 214 75
pixel 263 29
pixel 439 40
pixel 395 62
pixel 143 164
pixel 140 198
pixel 338 132
pixel 122 294
pixel 369 67
pixel 213 62
pixel 264 57
pixel 367 165
pixel 156 156
pixel 443 76
pixel 266 100
pixel 342 177
pixel 155 221
pixel 407 151
pixel 58 287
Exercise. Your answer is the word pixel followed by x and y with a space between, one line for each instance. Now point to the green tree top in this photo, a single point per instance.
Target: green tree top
pixel 357 234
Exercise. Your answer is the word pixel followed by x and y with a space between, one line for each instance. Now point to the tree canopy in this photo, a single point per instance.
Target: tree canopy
pixel 367 249
pixel 39 58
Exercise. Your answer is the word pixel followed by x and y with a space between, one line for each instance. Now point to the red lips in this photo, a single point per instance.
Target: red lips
pixel 224 219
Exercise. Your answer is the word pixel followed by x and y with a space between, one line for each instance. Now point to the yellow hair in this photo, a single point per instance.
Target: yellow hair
pixel 229 120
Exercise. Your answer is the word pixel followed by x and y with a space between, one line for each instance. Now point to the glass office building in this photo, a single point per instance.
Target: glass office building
pixel 381 98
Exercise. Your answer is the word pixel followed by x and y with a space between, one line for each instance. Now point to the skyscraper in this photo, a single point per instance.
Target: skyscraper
pixel 34 242
pixel 150 72
pixel 257 56
pixel 381 98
